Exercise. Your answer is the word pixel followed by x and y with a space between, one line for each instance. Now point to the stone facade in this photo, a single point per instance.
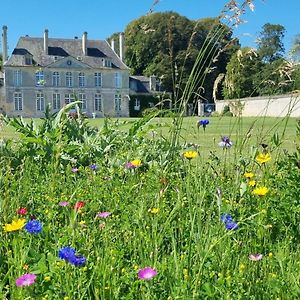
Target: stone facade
pixel 44 71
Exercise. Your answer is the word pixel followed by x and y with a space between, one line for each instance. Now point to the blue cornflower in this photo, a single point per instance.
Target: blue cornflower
pixel 33 226
pixel 202 123
pixel 225 142
pixel 231 226
pixel 77 260
pixel 93 167
pixel 225 218
pixel 66 253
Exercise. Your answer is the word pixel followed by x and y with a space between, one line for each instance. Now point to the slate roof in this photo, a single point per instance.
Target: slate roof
pixel 140 84
pixel 59 48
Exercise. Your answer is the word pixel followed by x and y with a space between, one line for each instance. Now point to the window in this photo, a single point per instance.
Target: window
pixel 118 99
pixel 107 63
pixel 40 102
pixel 137 104
pixel 39 78
pixel 69 79
pixel 82 98
pixel 56 101
pixel 18 99
pixel 55 79
pixel 118 80
pixel 98 102
pixel 69 98
pixel 81 79
pixel 17 78
pixel 98 79
pixel 28 60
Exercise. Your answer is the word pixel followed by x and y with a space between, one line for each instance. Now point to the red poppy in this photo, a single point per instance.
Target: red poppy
pixel 79 204
pixel 22 211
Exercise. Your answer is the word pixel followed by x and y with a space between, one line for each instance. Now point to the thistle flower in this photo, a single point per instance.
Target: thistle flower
pixel 255 257
pixel 225 142
pixel 33 226
pixel 262 158
pixel 22 211
pixel 26 280
pixel 14 225
pixel 146 273
pixel 190 154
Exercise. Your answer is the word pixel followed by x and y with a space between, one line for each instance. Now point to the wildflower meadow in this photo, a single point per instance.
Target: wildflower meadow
pixel 103 213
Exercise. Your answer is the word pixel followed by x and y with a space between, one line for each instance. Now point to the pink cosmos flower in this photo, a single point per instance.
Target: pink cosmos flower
pixel 147 273
pixel 26 279
pixel 63 203
pixel 22 211
pixel 103 214
pixel 255 257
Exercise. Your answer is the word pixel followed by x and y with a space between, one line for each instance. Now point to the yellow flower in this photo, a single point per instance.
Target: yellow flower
pixel 66 298
pixel 82 222
pixel 47 278
pixel 190 154
pixel 136 162
pixel 242 268
pixel 260 191
pixel 248 175
pixel 15 225
pixel 263 158
pixel 154 210
pixel 252 183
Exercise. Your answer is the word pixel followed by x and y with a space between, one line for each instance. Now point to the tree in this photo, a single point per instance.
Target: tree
pixel 241 70
pixel 270 44
pixel 167 45
pixel 295 49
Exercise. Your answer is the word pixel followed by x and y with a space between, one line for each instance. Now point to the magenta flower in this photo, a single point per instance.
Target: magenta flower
pixel 63 203
pixel 147 273
pixel 103 214
pixel 255 257
pixel 26 279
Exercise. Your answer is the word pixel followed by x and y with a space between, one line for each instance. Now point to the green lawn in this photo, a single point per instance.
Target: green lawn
pixel 250 130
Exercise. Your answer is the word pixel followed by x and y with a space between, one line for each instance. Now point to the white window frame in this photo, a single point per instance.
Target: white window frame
pixel 98 79
pixel 18 101
pixel 40 101
pixel 98 102
pixel 17 75
pixel 118 100
pixel 118 80
pixel 55 78
pixel 81 79
pixel 39 78
pixel 56 101
pixel 82 98
pixel 69 98
pixel 69 79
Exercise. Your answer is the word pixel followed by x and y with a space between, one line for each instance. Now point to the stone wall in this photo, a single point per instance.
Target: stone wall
pixel 270 106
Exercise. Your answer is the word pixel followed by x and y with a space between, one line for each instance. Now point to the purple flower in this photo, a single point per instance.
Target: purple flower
pixel 146 273
pixel 93 167
pixel 255 257
pixel 75 170
pixel 226 218
pixel 63 203
pixel 130 165
pixel 66 253
pixel 103 214
pixel 26 280
pixel 225 142
pixel 33 226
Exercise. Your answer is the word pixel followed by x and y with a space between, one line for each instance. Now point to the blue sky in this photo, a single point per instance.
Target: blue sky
pixel 101 18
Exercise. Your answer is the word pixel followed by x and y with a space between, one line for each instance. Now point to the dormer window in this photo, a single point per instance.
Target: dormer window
pixel 28 59
pixel 107 63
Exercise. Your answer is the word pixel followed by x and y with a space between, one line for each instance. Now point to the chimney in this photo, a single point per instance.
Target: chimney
pixel 152 83
pixel 113 44
pixel 4 43
pixel 46 41
pixel 84 43
pixel 121 45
